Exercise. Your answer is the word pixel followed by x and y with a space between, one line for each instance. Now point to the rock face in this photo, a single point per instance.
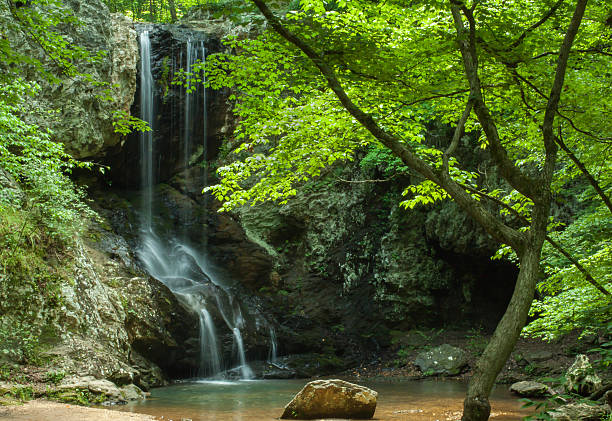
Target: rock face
pixel 531 389
pixel 243 266
pixel 80 114
pixel 119 324
pixel 332 399
pixel 445 359
pixel 581 377
pixel 579 411
pixel 346 255
pixel 197 133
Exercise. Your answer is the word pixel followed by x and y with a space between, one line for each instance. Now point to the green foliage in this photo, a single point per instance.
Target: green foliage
pixel 400 64
pixel 124 123
pixel 40 166
pixel 382 160
pixel 543 407
pixel 30 287
pixel 604 350
pixel 78 396
pixel 40 24
pixel 55 377
pixel 22 393
pixel 568 302
pixel 171 10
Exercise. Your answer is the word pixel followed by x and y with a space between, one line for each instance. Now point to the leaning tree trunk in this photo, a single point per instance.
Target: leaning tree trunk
pixel 476 405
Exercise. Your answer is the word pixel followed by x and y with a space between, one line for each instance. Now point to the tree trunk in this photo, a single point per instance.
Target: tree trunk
pixel 172 7
pixel 476 406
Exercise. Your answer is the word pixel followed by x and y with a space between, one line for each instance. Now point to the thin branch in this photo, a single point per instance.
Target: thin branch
pixel 598 49
pixel 552 242
pixel 367 181
pixel 584 170
pixel 444 95
pixel 26 30
pixel 563 116
pixel 555 92
pixel 457 135
pixel 535 26
pixel 569 153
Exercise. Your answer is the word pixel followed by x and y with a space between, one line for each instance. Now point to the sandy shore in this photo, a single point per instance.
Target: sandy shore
pixel 40 410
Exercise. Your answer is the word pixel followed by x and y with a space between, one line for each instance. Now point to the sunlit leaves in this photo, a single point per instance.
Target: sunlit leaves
pixel 400 64
pixel 40 165
pixel 125 123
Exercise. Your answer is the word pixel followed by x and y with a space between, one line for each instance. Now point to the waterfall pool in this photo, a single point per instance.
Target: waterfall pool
pixel 263 400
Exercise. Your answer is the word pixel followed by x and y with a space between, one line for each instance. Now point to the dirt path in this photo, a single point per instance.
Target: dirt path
pixel 39 410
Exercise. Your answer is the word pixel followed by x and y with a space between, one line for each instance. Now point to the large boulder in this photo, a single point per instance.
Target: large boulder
pixel 106 389
pixel 531 389
pixel 332 399
pixel 445 359
pixel 581 377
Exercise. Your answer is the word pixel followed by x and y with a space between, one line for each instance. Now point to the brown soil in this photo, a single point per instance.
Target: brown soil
pixel 40 410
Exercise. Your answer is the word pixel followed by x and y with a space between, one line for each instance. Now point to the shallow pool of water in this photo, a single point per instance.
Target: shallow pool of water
pixel 264 400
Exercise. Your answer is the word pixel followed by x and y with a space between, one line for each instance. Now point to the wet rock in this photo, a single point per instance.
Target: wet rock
pixel 279 373
pixel 531 389
pixel 538 356
pixel 311 364
pixel 132 392
pixel 97 386
pixel 579 411
pixel 581 377
pixel 168 55
pixel 445 359
pixel 269 370
pixel 332 399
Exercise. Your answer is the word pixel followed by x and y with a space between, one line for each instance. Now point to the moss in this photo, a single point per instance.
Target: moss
pixel 78 396
pixel 18 393
pixel 30 287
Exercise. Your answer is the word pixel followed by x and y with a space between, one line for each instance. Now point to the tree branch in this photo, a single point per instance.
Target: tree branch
pixel 490 223
pixel 467 46
pixel 552 242
pixel 457 135
pixel 584 170
pixel 535 26
pixel 555 91
pixel 567 150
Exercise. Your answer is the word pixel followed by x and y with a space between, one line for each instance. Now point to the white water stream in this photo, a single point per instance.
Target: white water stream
pixel 182 268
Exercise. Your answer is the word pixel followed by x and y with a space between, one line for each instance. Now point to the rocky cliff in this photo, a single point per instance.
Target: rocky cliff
pixel 79 109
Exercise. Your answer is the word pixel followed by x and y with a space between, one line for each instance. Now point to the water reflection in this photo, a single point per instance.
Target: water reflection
pixel 264 400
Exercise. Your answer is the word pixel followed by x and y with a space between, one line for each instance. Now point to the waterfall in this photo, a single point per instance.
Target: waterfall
pixel 195 53
pixel 209 351
pixel 168 256
pixel 245 370
pixel 273 353
pixel 146 138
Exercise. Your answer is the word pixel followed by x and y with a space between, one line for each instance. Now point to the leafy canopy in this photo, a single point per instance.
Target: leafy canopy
pixel 401 64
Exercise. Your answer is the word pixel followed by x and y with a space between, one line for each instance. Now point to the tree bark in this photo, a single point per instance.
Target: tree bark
pixel 476 405
pixel 172 7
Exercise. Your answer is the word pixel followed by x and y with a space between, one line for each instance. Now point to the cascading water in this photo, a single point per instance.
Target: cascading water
pixel 146 138
pixel 172 260
pixel 273 354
